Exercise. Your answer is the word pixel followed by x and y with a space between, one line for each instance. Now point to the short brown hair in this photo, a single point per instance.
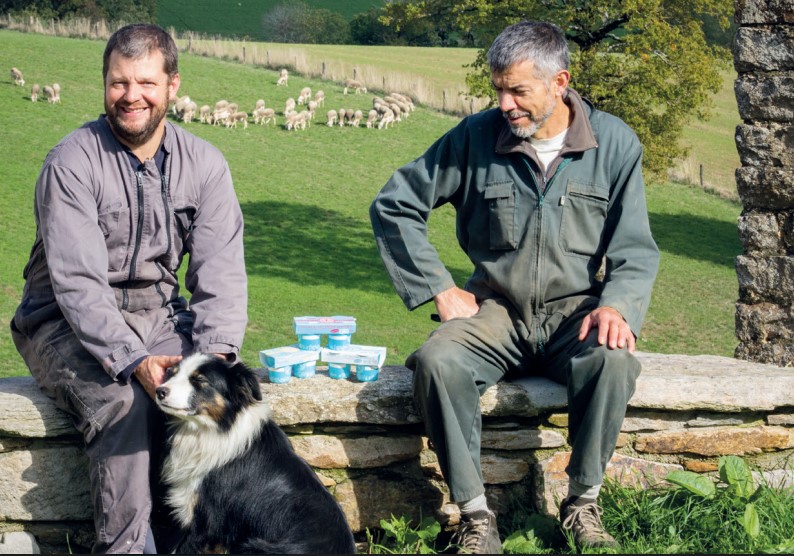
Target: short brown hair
pixel 138 40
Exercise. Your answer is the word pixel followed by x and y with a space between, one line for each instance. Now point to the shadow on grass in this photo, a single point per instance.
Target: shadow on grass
pixel 310 245
pixel 696 237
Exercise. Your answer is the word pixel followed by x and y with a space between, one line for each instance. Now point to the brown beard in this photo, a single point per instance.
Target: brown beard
pixel 136 137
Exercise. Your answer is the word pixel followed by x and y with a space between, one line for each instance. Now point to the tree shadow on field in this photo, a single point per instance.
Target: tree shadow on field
pixel 310 245
pixel 696 237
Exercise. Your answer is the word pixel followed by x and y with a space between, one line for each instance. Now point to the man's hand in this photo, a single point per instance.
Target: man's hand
pixel 613 330
pixel 455 303
pixel 151 371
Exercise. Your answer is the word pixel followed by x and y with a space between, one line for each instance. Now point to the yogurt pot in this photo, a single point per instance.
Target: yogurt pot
pixel 338 341
pixel 367 373
pixel 338 370
pixel 304 370
pixel 279 375
pixel 309 341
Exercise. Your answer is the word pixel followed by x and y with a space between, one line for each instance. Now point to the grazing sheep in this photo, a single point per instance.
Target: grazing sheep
pixel 264 116
pixel 296 120
pixel 205 116
pixel 289 105
pixel 49 93
pixel 179 105
pixel 406 99
pixel 283 77
pixel 57 90
pixel 342 113
pixel 357 116
pixel 221 105
pixel 34 92
pixel 386 119
pixel 319 98
pixel 259 104
pixel 354 84
pixel 332 117
pixel 349 114
pixel 306 94
pixel 220 116
pixel 372 117
pixel 377 100
pixel 312 107
pixel 16 75
pixel 238 117
pixel 397 111
pixel 233 107
pixel 190 112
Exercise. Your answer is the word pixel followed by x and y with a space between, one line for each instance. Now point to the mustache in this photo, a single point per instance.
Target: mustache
pixel 516 114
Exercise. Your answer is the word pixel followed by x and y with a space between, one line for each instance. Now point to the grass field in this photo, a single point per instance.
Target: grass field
pixel 240 18
pixel 309 246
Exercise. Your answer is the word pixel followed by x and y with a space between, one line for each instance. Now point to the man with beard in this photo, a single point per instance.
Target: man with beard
pixel 118 204
pixel 546 189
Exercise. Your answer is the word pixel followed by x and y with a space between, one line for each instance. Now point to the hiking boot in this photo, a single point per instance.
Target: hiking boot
pixel 477 534
pixel 582 517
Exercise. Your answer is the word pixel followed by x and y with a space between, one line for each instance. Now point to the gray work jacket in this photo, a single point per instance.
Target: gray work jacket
pixel 536 239
pixel 110 239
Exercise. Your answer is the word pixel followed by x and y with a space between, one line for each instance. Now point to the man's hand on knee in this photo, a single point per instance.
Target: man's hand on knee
pixel 613 330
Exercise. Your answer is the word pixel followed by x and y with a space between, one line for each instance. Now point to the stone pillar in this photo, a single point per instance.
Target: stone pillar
pixel 763 53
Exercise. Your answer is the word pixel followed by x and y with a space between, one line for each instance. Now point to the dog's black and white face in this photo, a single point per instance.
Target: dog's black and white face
pixel 208 390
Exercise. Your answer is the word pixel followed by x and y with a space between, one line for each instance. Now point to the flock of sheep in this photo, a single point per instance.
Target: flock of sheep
pixel 385 111
pixel 298 114
pixel 52 92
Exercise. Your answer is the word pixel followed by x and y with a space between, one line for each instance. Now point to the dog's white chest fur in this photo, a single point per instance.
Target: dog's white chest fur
pixel 197 449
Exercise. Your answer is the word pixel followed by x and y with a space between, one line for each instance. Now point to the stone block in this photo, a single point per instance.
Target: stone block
pixel 331 452
pixel 765 98
pixel 715 441
pixel 18 542
pixel 521 439
pixel 749 12
pixel 765 145
pixel 766 279
pixel 766 188
pixel 761 233
pixel 761 323
pixel 763 49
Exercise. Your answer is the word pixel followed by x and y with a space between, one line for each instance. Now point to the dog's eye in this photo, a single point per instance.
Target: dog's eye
pixel 198 381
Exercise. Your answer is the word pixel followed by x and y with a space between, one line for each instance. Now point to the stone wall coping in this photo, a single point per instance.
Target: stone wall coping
pixel 667 382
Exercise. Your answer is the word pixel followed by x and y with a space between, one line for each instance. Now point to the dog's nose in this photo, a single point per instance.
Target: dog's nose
pixel 161 392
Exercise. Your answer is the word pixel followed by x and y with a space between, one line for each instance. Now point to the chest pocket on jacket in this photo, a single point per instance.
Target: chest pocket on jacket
pixel 584 213
pixel 184 224
pixel 501 197
pixel 114 221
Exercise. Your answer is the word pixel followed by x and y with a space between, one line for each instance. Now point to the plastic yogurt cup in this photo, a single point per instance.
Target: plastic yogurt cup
pixel 279 375
pixel 309 341
pixel 338 370
pixel 304 370
pixel 366 373
pixel 338 341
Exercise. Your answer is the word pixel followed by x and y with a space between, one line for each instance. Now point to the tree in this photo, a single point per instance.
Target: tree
pixel 296 22
pixel 109 10
pixel 646 61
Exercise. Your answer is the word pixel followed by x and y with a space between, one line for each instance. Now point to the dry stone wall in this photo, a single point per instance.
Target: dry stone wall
pixel 366 442
pixel 764 59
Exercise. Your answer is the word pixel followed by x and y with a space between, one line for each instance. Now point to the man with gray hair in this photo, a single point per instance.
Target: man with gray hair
pixel 118 205
pixel 550 205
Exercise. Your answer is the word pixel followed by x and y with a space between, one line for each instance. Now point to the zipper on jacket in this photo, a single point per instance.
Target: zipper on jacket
pixel 167 215
pixel 541 196
pixel 138 233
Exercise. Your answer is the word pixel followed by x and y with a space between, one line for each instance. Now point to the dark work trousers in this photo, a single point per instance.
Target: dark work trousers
pixel 463 357
pixel 121 425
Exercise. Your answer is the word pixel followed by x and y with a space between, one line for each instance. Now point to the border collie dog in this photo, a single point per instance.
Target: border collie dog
pixel 234 483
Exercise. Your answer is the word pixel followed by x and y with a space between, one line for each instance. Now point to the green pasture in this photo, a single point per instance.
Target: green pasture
pixel 241 18
pixel 305 195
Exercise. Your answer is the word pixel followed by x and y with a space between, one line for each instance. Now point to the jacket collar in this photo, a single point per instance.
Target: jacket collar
pixel 580 135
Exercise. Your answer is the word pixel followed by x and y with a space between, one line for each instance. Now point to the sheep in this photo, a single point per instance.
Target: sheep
pixel 353 84
pixel 319 98
pixel 221 105
pixel 265 116
pixel 386 119
pixel 397 112
pixel 205 114
pixel 306 94
pixel 376 100
pixel 357 116
pixel 259 104
pixel 332 117
pixel 349 114
pixel 342 112
pixel 49 93
pixel 372 117
pixel 283 77
pixel 57 90
pixel 406 99
pixel 34 92
pixel 179 105
pixel 312 107
pixel 233 107
pixel 289 105
pixel 296 120
pixel 190 112
pixel 238 117
pixel 16 75
pixel 220 116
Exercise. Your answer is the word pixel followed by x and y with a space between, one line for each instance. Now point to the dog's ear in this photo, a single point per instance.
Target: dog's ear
pixel 246 381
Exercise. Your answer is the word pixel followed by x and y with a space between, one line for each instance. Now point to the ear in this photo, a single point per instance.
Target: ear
pixel 560 81
pixel 246 382
pixel 173 87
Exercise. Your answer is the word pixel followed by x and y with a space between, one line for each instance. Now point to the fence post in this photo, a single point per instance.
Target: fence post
pixel 354 73
pixel 444 100
pixel 701 175
pixel 243 54
pixel 323 75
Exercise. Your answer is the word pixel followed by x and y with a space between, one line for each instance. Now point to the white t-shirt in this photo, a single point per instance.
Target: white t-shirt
pixel 548 149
